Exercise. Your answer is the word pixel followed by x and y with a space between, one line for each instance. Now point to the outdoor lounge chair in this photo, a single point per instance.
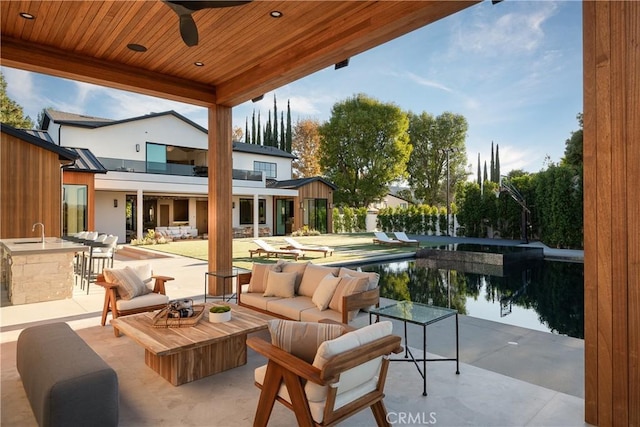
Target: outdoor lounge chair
pixel 402 237
pixel 293 244
pixel 265 248
pixel 126 294
pixel 383 239
pixel 347 375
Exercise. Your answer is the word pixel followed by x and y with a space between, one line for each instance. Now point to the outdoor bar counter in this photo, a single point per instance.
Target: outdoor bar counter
pixel 33 271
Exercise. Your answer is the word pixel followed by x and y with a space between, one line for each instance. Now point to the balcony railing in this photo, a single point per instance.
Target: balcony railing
pixel 122 165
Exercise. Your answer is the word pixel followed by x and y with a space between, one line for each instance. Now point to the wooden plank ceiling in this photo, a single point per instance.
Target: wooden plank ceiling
pixel 245 51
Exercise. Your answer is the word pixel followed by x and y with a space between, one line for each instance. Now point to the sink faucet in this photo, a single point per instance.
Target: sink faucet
pixel 34 229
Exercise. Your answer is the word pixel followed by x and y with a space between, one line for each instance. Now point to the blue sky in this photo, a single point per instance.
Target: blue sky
pixel 513 69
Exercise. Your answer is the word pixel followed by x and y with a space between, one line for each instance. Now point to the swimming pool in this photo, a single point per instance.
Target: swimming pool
pixel 542 295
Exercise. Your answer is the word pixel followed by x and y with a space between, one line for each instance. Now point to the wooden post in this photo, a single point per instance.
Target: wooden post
pixel 611 212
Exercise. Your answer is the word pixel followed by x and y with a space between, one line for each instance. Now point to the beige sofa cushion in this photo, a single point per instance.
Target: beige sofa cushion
pixel 325 290
pixel 312 314
pixel 348 286
pixel 312 276
pixel 290 307
pixel 295 267
pixel 373 277
pixel 280 284
pixel 255 299
pixel 258 282
pixel 302 339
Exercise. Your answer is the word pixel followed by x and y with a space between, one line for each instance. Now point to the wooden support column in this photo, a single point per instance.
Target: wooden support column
pixel 220 183
pixel 612 212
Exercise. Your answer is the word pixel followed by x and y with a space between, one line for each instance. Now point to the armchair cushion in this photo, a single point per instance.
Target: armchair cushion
pixel 325 290
pixel 144 272
pixel 142 301
pixel 302 339
pixel 361 377
pixel 129 284
pixel 280 284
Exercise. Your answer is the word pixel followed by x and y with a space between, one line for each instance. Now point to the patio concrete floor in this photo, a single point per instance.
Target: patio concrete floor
pixel 509 376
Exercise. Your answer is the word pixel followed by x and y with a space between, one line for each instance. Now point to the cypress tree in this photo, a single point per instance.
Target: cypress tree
pixel 246 129
pixel 289 132
pixel 283 142
pixel 275 122
pixel 497 163
pixel 493 171
pixel 479 172
pixel 253 127
pixel 259 132
pixel 485 172
pixel 268 136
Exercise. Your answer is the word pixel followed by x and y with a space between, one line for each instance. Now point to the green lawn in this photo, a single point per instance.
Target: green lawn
pixel 348 247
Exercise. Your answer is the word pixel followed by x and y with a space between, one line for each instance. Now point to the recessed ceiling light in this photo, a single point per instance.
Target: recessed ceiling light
pixel 276 14
pixel 198 64
pixel 27 15
pixel 136 47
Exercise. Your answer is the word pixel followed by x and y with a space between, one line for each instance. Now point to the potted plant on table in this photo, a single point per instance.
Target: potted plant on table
pixel 219 313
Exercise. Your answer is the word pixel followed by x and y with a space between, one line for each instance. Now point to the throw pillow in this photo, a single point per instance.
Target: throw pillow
pixel 302 338
pixel 324 292
pixel 144 272
pixel 258 282
pixel 373 277
pixel 296 267
pixel 348 286
pixel 280 285
pixel 129 284
pixel 312 276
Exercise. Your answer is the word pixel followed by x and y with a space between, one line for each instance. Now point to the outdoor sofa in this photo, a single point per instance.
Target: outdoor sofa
pixel 308 292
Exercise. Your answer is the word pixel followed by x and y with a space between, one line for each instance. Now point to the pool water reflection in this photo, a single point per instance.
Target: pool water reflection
pixel 542 295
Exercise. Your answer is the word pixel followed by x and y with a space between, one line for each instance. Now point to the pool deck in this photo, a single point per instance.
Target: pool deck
pixel 509 375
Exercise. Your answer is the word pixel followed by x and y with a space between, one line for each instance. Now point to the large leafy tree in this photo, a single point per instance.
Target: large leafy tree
pixel 306 146
pixel 432 138
pixel 573 148
pixel 364 147
pixel 10 111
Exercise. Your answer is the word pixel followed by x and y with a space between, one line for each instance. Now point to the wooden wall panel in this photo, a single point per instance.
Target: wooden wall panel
pixel 313 190
pixel 88 179
pixel 612 211
pixel 30 189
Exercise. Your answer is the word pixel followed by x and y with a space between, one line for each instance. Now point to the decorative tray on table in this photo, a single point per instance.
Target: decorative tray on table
pixel 179 314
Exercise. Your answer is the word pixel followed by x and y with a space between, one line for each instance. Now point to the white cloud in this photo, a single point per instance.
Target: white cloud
pixel 428 83
pixel 516 32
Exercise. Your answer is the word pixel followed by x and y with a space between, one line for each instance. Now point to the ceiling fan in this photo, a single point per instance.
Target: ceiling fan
pixel 184 9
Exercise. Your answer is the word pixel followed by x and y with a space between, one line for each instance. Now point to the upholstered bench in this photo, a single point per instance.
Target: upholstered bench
pixel 66 382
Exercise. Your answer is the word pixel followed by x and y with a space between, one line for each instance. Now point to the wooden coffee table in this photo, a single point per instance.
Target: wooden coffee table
pixel 182 355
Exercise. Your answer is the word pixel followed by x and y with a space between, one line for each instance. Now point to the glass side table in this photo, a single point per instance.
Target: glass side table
pixel 423 315
pixel 224 274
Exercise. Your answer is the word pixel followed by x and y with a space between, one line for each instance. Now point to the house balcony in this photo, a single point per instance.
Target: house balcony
pixel 249 177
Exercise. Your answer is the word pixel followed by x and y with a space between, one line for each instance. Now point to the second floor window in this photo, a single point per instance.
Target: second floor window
pixel 270 169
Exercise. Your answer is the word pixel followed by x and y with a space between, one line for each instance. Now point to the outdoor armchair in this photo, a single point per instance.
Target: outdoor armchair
pixel 128 291
pixel 347 375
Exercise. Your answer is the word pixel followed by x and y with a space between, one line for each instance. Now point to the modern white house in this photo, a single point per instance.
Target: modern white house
pixel 157 177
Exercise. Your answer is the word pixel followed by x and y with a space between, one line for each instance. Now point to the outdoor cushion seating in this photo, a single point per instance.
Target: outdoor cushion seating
pixel 65 380
pixel 268 250
pixel 402 237
pixel 294 244
pixel 347 373
pixel 383 239
pixel 129 291
pixel 308 292
pixel 177 232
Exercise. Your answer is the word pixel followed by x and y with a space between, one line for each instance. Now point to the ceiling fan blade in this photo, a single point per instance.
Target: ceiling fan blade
pixel 188 30
pixel 199 5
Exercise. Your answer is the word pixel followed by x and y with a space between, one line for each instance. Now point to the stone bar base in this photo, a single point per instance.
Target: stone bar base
pixel 40 277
